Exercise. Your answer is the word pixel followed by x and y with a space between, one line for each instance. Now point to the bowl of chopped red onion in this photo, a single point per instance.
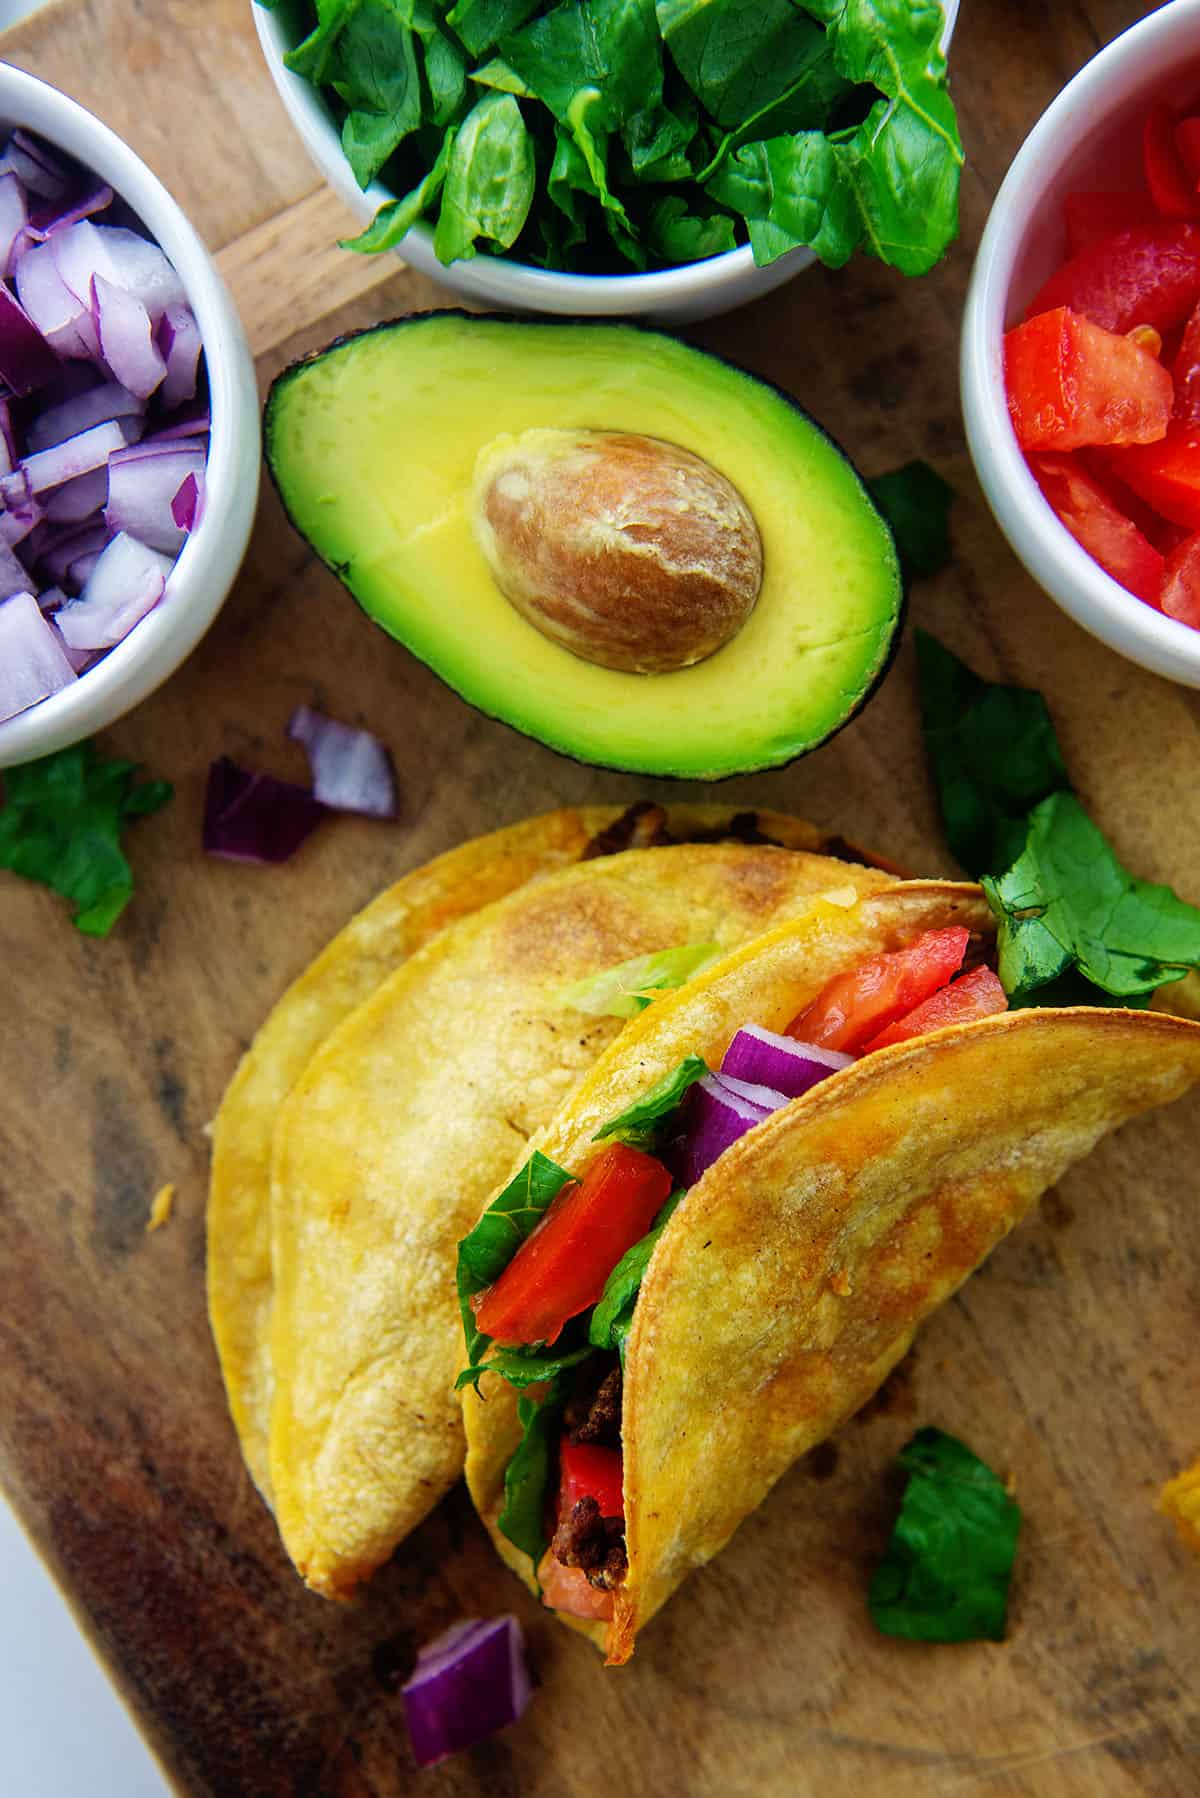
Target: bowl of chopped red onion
pixel 129 426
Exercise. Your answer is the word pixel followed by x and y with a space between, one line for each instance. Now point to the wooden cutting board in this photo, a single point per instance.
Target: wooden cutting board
pixel 1070 1361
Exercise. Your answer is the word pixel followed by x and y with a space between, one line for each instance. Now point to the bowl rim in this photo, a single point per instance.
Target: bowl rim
pixel 1144 55
pixel 518 283
pixel 208 562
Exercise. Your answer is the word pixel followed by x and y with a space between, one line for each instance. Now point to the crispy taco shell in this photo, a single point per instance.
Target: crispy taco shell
pixel 394 1135
pixel 372 946
pixel 793 1276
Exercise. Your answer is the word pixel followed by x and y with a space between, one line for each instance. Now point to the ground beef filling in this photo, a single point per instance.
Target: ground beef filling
pixel 594 1544
pixel 584 1539
pixel 646 826
pixel 597 1419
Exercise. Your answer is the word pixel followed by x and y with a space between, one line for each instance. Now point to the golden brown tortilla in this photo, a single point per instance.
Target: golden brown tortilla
pixel 375 942
pixel 393 1137
pixel 793 1276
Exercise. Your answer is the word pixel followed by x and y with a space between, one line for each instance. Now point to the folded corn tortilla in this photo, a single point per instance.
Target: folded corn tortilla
pixel 367 1205
pixel 792 1277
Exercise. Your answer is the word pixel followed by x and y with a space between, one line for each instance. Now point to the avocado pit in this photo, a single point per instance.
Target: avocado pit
pixel 631 552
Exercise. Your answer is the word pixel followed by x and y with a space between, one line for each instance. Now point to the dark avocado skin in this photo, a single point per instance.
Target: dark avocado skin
pixel 415 321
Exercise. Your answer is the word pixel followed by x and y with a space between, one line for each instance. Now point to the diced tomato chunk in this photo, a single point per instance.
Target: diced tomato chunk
pixel 855 1006
pixel 1092 216
pixel 560 1270
pixel 588 1471
pixel 1166 474
pixel 1070 383
pixel 1093 518
pixel 1148 275
pixel 1179 595
pixel 1187 142
pixel 568 1589
pixel 1173 190
pixel 1186 371
pixel 975 995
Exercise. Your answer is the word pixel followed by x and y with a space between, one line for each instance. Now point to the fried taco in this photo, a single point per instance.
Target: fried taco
pixel 697 1276
pixel 389 1090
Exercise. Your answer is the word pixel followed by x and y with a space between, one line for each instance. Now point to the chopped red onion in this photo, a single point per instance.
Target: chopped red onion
pixel 93 320
pixel 126 580
pixel 78 658
pixel 185 505
pixel 13 217
pixel 35 166
pixel 769 1097
pixel 15 527
pixel 48 219
pixel 141 491
pixel 779 1061
pixel 120 257
pixel 714 1116
pixel 27 361
pixel 33 662
pixel 352 771
pixel 62 545
pixel 178 338
pixel 63 319
pixel 95 406
pixel 78 455
pixel 75 501
pixel 197 425
pixel 126 337
pixel 468 1683
pixel 252 817
pixel 14 578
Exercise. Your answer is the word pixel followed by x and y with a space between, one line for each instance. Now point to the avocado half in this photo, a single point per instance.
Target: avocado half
pixel 372 444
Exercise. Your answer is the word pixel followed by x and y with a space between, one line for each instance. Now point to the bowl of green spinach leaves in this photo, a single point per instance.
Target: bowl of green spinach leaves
pixel 669 158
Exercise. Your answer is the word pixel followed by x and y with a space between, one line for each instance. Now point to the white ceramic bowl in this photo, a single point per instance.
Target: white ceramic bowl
pixel 213 552
pixel 1089 138
pixel 672 296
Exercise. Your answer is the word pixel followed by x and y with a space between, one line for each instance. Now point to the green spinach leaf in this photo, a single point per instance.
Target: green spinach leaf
pixel 61 825
pixel 994 756
pixel 612 1314
pixel 740 60
pixel 482 23
pixel 676 235
pixel 792 191
pixel 1067 904
pixel 643 1123
pixel 527 1476
pixel 523 1367
pixel 916 503
pixel 484 1254
pixel 489 180
pixel 946 1574
pixel 394 220
pixel 904 161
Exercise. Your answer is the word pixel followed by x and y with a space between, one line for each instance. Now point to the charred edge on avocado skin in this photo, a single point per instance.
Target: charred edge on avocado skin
pixel 414 323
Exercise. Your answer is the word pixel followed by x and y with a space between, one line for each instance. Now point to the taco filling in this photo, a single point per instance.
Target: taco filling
pixel 549 1278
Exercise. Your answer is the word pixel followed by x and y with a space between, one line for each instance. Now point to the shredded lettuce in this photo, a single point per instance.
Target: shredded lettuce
pixel 624 990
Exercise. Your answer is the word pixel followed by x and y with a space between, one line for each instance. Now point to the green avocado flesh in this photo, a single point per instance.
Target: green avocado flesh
pixel 373 442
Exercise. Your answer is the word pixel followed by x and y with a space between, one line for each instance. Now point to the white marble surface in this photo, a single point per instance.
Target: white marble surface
pixel 63 1731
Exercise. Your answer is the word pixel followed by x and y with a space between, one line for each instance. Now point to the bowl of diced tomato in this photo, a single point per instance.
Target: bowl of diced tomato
pixel 1081 347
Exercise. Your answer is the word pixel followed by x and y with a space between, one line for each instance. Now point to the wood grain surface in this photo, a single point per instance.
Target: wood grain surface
pixel 1069 1361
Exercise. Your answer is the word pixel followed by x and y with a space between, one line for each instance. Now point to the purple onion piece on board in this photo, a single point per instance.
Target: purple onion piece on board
pixel 252 817
pixel 352 771
pixel 468 1683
